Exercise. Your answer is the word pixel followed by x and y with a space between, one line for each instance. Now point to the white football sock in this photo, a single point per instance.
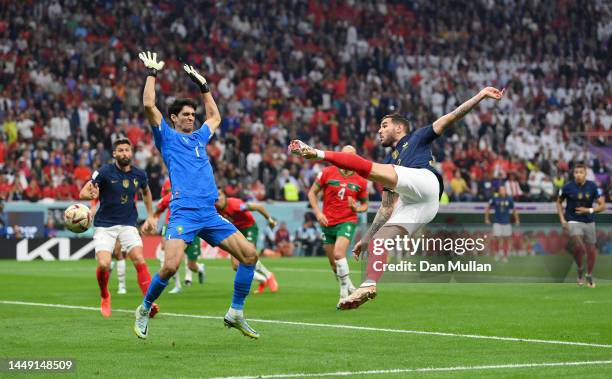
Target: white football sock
pixel 177 281
pixel 259 267
pixel 259 277
pixel 121 273
pixel 188 275
pixel 200 267
pixel 342 273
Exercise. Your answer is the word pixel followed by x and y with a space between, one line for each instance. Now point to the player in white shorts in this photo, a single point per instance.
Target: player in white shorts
pixel 502 204
pixel 115 185
pixel 412 186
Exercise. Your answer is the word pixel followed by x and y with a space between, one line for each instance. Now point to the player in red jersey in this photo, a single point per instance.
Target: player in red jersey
pixel 344 195
pixel 239 213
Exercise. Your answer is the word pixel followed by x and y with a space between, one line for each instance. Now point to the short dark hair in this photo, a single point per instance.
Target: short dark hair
pixel 178 105
pixel 397 118
pixel 121 141
pixel 580 165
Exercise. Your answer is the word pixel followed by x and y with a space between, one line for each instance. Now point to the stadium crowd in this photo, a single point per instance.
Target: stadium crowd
pixel 323 72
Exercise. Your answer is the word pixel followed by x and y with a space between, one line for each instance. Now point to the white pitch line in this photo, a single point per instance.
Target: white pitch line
pixel 332 326
pixel 424 369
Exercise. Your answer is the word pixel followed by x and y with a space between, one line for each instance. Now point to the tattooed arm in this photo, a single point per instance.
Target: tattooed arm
pixel 447 120
pixel 382 216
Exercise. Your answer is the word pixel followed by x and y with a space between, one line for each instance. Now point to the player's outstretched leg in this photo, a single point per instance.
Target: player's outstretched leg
pixel 237 245
pixel 383 174
pixel 172 259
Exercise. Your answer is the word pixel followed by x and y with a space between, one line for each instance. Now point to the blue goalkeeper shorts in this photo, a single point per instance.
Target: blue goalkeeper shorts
pixel 185 223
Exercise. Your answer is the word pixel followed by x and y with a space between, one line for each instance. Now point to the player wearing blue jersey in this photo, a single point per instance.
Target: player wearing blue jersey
pixel 502 204
pixel 194 192
pixel 579 195
pixel 407 175
pixel 116 185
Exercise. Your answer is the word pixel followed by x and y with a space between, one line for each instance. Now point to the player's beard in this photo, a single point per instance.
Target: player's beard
pixel 386 143
pixel 124 162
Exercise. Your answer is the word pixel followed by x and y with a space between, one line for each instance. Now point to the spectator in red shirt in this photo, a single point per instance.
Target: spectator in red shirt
pixel 82 172
pixel 32 192
pixel 64 190
pixel 6 188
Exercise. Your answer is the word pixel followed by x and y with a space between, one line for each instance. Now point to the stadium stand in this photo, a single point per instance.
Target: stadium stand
pixel 323 72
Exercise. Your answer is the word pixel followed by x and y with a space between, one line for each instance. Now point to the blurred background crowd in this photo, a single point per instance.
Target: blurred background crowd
pixel 324 72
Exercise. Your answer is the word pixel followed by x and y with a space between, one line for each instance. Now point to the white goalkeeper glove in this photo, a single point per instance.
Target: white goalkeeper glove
pixel 197 78
pixel 150 61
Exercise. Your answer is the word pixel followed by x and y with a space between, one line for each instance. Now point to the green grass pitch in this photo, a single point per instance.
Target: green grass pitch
pixel 313 342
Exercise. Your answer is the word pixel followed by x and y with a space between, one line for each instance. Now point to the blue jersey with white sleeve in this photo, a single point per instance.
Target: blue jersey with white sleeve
pixel 191 174
pixel 579 196
pixel 414 151
pixel 117 192
pixel 502 206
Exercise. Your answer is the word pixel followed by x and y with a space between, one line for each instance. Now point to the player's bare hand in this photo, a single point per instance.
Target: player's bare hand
pixel 488 222
pixel 564 225
pixel 582 210
pixel 493 93
pixel 150 60
pixel 352 204
pixel 357 249
pixel 272 223
pixel 94 191
pixel 150 226
pixel 321 218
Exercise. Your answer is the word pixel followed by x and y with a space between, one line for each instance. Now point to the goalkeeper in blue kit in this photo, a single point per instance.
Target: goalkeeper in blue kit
pixel 194 192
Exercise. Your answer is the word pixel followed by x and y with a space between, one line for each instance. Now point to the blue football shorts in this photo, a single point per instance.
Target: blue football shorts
pixel 185 223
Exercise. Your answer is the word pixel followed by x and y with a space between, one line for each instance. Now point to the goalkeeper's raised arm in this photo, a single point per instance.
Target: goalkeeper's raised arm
pixel 148 96
pixel 213 117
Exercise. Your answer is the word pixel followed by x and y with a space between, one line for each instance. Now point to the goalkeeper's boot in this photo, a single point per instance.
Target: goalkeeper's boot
pixel 141 325
pixel 240 324
pixel 590 282
pixel 299 148
pixel 105 306
pixel 360 296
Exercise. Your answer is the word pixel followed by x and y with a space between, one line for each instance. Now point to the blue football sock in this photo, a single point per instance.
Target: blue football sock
pixel 242 285
pixel 156 287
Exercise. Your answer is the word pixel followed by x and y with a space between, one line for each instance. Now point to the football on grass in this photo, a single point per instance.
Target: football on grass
pixel 77 218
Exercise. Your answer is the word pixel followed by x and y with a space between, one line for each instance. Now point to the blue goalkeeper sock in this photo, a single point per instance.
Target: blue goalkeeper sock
pixel 242 285
pixel 156 287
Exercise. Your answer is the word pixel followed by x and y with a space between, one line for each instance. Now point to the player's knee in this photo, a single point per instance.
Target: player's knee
pixel 250 259
pixel 168 270
pixel 104 265
pixel 339 254
pixel 137 257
